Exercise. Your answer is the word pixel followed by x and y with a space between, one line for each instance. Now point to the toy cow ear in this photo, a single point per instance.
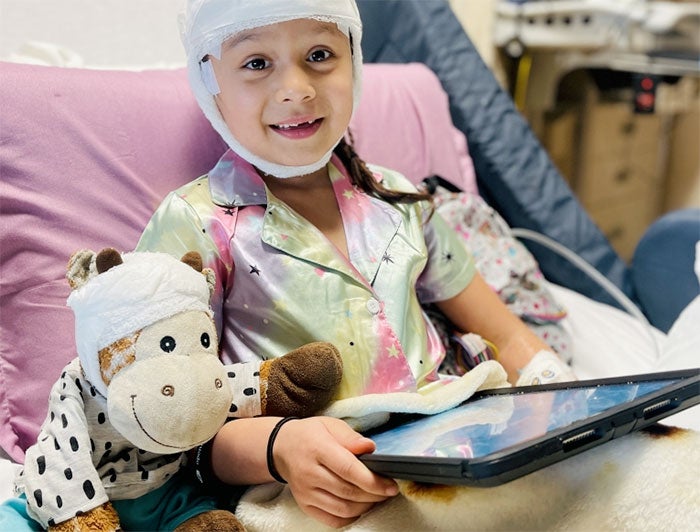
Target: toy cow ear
pixel 194 259
pixel 106 259
pixel 80 268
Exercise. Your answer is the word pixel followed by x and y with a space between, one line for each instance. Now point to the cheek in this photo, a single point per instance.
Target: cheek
pixel 343 101
pixel 237 102
pixel 243 117
pixel 232 109
pixel 341 90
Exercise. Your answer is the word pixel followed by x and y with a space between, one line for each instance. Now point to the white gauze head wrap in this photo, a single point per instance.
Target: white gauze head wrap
pixel 144 289
pixel 206 24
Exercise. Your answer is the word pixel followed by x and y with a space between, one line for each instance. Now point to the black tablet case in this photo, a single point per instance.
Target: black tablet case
pixel 518 460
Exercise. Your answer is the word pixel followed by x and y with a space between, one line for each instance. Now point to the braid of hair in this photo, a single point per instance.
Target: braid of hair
pixel 362 177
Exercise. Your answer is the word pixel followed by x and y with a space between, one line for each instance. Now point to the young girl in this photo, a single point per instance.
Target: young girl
pixel 308 243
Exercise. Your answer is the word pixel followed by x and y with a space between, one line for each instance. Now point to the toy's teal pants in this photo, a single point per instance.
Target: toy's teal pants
pixel 163 509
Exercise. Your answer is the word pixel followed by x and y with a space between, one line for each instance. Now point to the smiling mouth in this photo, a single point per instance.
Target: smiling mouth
pixel 143 429
pixel 294 127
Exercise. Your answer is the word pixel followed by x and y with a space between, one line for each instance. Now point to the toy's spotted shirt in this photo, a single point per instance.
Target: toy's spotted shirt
pixel 245 383
pixel 91 466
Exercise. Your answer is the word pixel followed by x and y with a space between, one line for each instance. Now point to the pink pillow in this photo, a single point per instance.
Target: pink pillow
pixel 85 158
pixel 403 122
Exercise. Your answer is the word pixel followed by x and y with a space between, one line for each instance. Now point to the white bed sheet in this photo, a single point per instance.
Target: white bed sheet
pixel 607 342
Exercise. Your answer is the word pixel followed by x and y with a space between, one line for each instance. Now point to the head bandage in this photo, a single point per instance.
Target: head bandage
pixel 206 24
pixel 144 289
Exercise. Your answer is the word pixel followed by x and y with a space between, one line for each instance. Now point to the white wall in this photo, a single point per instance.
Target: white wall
pixel 103 33
pixel 477 17
pixel 137 33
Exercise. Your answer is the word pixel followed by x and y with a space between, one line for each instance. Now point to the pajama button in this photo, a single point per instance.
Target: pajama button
pixel 373 306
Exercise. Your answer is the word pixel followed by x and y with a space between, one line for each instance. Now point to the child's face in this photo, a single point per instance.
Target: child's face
pixel 286 89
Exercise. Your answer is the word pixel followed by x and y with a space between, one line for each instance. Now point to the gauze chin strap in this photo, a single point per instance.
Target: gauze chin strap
pixel 208 81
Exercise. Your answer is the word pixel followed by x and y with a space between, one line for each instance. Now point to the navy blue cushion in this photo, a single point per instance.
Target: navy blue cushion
pixel 514 173
pixel 663 266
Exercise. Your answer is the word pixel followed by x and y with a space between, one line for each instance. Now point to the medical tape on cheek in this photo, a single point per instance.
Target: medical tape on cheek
pixel 208 77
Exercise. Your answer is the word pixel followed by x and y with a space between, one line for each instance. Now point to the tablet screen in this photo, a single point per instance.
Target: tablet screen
pixel 493 423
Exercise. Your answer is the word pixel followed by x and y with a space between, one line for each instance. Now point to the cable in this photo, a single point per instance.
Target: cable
pixel 522 81
pixel 594 274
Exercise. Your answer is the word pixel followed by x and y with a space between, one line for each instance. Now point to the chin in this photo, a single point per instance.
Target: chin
pixel 296 162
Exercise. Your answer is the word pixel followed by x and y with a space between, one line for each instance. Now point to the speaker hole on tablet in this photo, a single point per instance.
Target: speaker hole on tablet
pixel 584 438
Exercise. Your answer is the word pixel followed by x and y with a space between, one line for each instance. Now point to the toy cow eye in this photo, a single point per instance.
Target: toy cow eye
pixel 167 343
pixel 206 341
pixel 168 390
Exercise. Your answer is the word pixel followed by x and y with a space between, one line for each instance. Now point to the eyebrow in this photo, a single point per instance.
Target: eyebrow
pixel 232 42
pixel 252 35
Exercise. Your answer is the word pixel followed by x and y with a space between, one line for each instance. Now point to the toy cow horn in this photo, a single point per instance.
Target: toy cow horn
pixel 106 259
pixel 194 259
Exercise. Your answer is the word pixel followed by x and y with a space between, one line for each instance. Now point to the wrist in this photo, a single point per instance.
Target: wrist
pixel 271 465
pixel 544 368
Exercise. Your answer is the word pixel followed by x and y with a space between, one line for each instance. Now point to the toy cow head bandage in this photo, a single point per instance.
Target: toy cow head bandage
pixel 147 342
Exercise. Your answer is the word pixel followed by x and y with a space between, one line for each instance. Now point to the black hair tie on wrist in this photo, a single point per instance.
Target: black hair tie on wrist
pixel 270 443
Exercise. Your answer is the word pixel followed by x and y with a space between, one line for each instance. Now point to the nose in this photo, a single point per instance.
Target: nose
pixel 295 85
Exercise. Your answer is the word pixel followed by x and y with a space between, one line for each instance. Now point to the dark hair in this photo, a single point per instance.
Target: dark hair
pixel 362 177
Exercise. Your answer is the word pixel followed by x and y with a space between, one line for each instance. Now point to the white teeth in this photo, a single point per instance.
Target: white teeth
pixel 290 126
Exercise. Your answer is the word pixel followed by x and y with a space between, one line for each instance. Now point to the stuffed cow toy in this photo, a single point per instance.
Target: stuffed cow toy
pixel 146 387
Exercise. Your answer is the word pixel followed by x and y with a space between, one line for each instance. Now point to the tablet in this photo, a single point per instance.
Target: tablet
pixel 500 435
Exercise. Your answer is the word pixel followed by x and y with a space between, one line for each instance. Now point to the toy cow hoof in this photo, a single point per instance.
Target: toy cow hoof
pixel 212 521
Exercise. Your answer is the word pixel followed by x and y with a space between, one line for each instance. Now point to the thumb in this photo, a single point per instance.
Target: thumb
pixel 352 440
pixel 361 445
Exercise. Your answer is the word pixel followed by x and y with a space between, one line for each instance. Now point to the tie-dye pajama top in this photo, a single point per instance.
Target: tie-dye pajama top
pixel 281 283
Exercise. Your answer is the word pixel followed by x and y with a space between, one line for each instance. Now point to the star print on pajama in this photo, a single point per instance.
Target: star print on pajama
pixel 281 283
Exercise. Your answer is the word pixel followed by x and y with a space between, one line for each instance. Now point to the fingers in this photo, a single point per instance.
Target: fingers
pixel 370 489
pixel 330 519
pixel 327 462
pixel 339 507
pixel 318 458
pixel 349 471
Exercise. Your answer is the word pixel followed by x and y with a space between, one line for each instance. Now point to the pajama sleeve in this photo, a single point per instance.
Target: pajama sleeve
pixel 450 267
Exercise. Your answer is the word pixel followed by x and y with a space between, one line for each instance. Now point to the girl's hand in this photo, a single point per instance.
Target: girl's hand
pixel 317 458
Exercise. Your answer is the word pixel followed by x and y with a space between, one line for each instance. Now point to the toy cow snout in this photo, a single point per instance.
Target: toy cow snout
pixel 170 403
pixel 175 394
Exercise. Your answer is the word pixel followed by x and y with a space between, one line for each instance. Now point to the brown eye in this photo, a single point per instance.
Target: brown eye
pixel 168 390
pixel 256 64
pixel 218 383
pixel 318 56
